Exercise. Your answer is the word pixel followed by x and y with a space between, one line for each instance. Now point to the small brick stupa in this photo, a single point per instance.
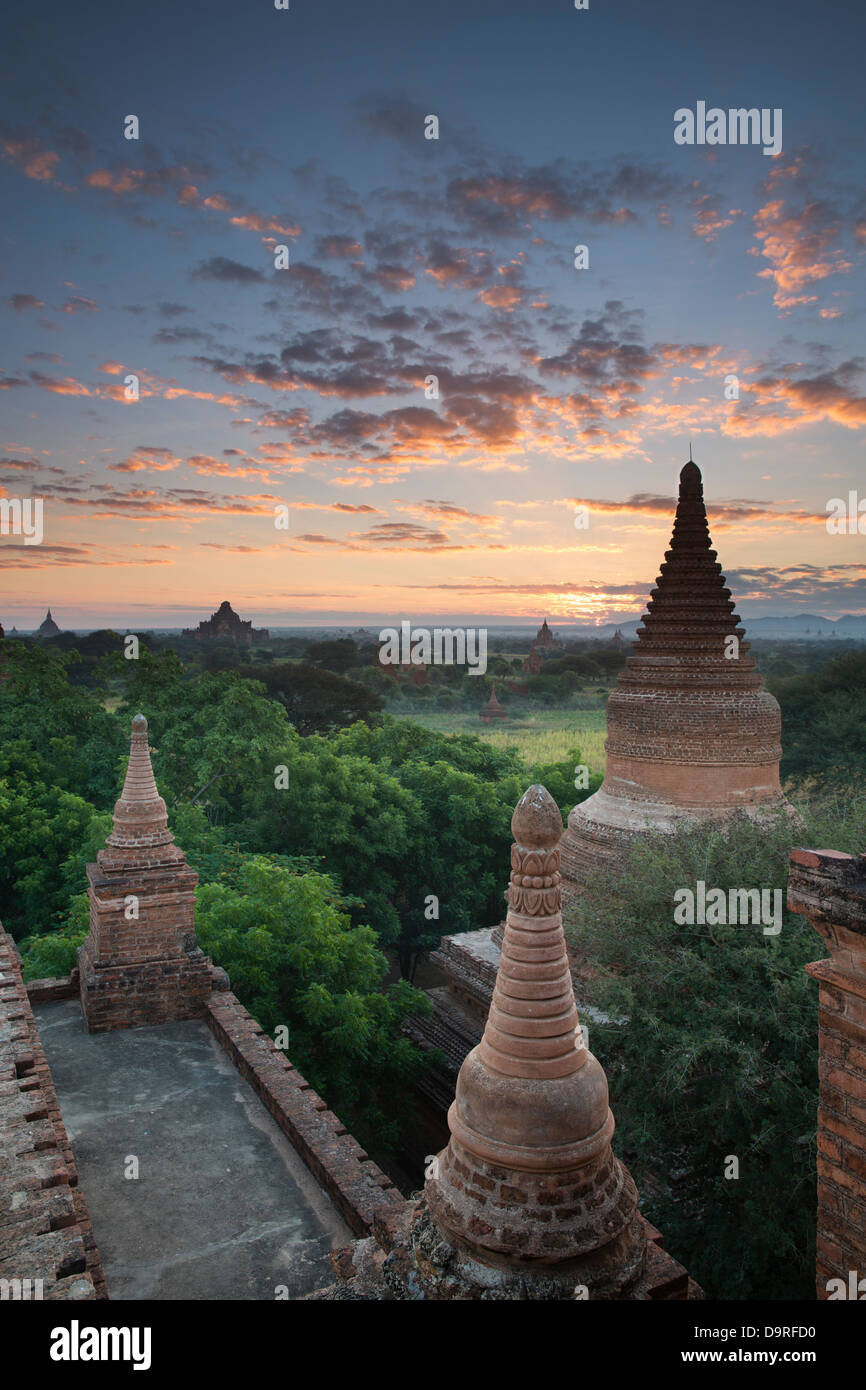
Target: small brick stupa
pixel 691 732
pixel 492 710
pixel 140 964
pixel 528 1200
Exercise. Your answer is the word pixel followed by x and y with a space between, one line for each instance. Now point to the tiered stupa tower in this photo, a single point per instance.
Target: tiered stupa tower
pixel 691 732
pixel 527 1201
pixel 140 964
pixel 528 1175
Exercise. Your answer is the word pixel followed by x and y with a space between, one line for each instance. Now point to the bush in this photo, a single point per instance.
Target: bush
pixel 717 1056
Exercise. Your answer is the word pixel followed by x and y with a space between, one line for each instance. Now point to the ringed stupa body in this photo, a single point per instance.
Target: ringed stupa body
pixel 691 732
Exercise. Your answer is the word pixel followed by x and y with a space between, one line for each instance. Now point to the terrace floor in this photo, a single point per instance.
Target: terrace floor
pixel 223 1207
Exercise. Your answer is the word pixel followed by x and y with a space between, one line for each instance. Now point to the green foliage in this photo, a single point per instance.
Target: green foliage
pixel 824 719
pixel 315 700
pixel 55 953
pixel 74 742
pixel 335 654
pixel 717 1056
pixel 42 827
pixel 294 958
pixel 211 736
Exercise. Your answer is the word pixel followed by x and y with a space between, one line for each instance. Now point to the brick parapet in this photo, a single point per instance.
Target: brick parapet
pixel 356 1185
pixel 52 990
pixel 45 1229
pixel 830 889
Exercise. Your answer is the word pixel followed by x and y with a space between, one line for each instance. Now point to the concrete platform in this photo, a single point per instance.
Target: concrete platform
pixel 223 1207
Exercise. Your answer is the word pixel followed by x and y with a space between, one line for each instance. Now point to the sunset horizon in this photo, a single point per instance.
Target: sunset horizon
pixel 428 330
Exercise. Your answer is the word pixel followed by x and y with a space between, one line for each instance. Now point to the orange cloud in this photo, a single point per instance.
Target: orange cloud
pixel 32 157
pixel 798 247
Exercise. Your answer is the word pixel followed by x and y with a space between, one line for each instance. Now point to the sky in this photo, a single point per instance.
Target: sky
pixel 404 421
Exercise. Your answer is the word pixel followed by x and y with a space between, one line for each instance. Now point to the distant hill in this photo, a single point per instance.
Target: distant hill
pixel 799 626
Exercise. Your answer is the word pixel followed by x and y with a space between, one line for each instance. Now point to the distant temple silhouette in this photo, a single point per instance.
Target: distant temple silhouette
pixel 533 662
pixel 225 624
pixel 493 709
pixel 48 628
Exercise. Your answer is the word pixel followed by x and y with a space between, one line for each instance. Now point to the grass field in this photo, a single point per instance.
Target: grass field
pixel 543 737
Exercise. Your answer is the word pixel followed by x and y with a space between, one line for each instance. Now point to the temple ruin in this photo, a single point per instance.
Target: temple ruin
pixel 225 626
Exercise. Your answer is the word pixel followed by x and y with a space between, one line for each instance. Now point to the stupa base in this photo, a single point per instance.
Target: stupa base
pixel 408 1258
pixel 142 994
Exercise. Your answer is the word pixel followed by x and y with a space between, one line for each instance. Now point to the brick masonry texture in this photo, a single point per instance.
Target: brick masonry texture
pixel 140 964
pixel 45 1230
pixel 691 733
pixel 830 889
pixel 356 1185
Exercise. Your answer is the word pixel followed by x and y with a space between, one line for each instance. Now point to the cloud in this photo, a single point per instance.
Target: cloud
pixel 722 515
pixel 51 557
pixel 79 304
pixel 338 247
pixel 227 270
pixel 776 402
pixel 147 458
pixel 709 219
pixel 509 197
pixel 21 302
pixel 29 153
pixel 800 242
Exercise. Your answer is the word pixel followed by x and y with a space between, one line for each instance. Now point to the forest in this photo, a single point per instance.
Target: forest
pixel 323 817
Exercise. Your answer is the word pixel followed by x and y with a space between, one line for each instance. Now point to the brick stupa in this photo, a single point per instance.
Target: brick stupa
pixel 527 1201
pixel 691 732
pixel 493 709
pixel 140 963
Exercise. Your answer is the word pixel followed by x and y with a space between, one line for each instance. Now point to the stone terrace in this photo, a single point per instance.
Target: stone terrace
pixel 223 1207
pixel 246 1182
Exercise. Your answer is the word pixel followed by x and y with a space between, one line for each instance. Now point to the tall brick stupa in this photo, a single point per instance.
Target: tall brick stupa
pixel 691 732
pixel 140 963
pixel 527 1201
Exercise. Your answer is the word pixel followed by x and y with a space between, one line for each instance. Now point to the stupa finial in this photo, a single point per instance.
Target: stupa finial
pixel 140 817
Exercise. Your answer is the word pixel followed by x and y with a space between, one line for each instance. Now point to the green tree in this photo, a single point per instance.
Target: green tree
pixel 295 959
pixel 824 719
pixel 315 700
pixel 710 1050
pixel 211 736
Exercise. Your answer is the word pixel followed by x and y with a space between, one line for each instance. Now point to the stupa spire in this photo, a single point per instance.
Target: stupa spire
pixel 690 615
pixel 690 730
pixel 140 963
pixel 528 1180
pixel 141 832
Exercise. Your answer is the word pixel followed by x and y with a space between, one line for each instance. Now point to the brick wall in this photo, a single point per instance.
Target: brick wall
pixel 45 1231
pixel 830 889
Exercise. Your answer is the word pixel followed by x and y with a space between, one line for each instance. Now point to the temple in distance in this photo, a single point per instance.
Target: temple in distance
pixel 225 626
pixel 48 627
